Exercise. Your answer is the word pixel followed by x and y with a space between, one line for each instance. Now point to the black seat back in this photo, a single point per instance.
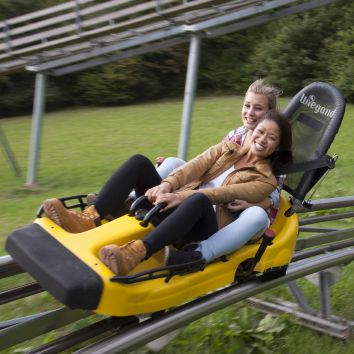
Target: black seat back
pixel 315 114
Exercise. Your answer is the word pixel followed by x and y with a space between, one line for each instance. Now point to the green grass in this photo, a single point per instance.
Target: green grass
pixel 81 148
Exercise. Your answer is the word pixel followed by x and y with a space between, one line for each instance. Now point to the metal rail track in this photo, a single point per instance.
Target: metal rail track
pixel 153 328
pixel 128 333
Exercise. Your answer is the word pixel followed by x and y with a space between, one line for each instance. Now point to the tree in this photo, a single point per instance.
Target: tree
pixel 291 51
pixel 337 55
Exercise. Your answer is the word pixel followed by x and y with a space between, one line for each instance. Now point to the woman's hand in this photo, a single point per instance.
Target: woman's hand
pixel 153 192
pixel 172 200
pixel 237 205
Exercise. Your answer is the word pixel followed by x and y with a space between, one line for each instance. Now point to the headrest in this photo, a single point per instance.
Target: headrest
pixel 315 114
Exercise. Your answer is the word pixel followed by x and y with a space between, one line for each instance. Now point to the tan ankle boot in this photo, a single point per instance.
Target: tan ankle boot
pixel 70 220
pixel 121 260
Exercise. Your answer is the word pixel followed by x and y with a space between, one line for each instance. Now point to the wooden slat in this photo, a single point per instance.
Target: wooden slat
pixel 42 24
pixel 102 30
pixel 68 29
pixel 104 6
pixel 125 23
pixel 50 20
pixel 117 15
pixel 45 12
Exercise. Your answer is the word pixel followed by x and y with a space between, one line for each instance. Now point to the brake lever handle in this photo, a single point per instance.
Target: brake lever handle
pixel 151 213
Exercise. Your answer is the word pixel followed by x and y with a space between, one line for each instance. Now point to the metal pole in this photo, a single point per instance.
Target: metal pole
pixel 325 295
pixel 38 108
pixel 300 299
pixel 8 153
pixel 189 94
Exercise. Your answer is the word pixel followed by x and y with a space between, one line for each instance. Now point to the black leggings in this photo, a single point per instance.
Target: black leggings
pixel 193 220
pixel 136 173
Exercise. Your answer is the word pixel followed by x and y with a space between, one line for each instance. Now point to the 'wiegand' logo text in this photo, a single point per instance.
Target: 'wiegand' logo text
pixel 310 101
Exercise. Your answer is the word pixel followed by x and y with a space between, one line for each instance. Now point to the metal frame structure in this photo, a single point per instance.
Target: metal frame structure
pixel 325 241
pixel 9 153
pixel 76 42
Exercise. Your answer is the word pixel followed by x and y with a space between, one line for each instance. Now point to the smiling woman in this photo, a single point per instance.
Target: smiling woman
pixel 195 195
pixel 264 141
pixel 272 138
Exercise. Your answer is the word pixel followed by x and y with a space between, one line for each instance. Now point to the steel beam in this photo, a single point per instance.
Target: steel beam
pixel 324 238
pixel 189 94
pixel 326 203
pixel 114 57
pixel 9 153
pixel 338 328
pixel 38 108
pixel 8 267
pixel 39 325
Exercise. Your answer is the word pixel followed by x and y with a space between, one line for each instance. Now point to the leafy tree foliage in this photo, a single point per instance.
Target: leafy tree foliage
pixel 340 59
pixel 291 52
pixel 222 61
pixel 150 76
pixel 337 55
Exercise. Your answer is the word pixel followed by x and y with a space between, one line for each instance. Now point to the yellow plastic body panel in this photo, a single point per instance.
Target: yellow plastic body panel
pixel 153 295
pixel 286 230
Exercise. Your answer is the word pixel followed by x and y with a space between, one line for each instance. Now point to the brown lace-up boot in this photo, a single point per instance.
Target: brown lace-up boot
pixel 121 260
pixel 70 220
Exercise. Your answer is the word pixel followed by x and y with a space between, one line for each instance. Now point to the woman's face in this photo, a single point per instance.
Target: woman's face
pixel 253 109
pixel 265 139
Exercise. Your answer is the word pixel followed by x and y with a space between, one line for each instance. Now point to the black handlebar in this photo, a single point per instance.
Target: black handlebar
pixel 151 213
pixel 136 204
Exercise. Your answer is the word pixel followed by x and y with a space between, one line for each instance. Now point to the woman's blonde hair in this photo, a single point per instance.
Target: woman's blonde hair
pixel 263 87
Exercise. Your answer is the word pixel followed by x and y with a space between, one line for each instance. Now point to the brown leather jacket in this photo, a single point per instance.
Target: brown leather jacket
pixel 252 183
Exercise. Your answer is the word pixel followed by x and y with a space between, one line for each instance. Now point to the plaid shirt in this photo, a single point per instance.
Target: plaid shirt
pixel 238 136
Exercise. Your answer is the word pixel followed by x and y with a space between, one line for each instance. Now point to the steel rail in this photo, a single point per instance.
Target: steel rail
pixel 18 320
pixel 14 329
pixel 322 249
pixel 323 218
pixel 323 238
pixel 19 292
pixel 27 328
pixel 83 334
pixel 325 204
pixel 39 325
pixel 317 229
pixel 154 328
pixel 8 267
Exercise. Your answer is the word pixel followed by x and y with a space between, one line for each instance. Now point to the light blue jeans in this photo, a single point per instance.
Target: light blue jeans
pixel 168 165
pixel 249 226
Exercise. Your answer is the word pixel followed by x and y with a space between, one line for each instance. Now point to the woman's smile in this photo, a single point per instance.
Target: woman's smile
pixel 265 139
